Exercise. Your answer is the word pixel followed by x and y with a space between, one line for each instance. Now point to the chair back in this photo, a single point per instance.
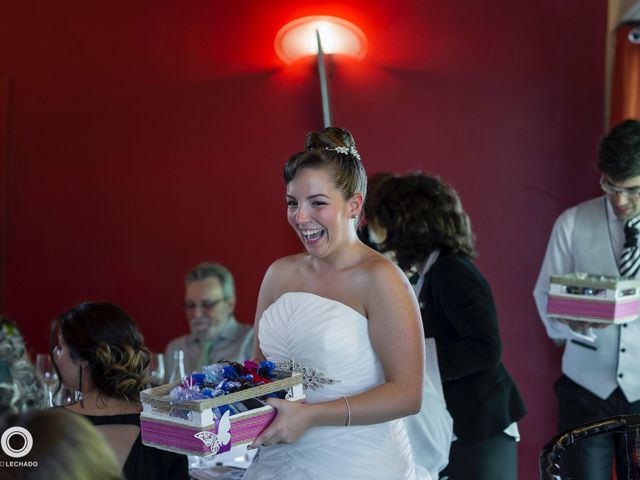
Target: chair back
pixel 550 459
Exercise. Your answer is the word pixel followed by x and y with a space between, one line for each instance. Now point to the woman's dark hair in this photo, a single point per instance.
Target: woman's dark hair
pixel 420 214
pixel 333 149
pixel 619 152
pixel 106 337
pixel 373 188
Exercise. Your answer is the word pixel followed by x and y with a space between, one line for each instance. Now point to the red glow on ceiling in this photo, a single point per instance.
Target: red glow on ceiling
pixel 297 39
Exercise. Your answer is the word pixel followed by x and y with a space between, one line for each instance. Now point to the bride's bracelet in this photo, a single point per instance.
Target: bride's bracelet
pixel 348 422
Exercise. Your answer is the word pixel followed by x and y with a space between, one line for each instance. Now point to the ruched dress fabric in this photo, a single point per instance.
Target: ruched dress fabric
pixel 333 339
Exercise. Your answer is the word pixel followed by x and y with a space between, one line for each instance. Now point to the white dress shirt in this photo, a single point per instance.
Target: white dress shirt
pixel 589 238
pixel 559 260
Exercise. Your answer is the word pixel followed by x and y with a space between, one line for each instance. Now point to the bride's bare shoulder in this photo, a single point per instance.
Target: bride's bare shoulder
pixel 288 265
pixel 379 270
pixel 377 264
pixel 283 275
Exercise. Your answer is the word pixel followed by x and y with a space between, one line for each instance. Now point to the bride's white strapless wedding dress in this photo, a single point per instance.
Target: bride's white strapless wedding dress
pixel 332 339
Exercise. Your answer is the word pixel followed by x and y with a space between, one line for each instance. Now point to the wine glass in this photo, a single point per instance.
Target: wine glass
pixel 156 369
pixel 44 366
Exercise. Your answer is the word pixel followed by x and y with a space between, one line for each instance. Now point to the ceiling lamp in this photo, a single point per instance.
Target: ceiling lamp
pixel 298 38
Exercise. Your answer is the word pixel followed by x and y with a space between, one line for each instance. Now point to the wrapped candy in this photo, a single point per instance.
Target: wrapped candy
pixel 221 379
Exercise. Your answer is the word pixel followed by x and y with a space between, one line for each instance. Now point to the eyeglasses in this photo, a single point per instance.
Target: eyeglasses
pixel 611 189
pixel 204 304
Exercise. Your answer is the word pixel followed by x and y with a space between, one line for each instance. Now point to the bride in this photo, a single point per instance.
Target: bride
pixel 347 318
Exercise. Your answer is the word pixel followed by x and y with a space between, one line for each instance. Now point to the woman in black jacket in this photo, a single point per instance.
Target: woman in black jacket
pixel 420 222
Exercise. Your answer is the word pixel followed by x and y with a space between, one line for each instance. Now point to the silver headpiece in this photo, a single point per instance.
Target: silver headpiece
pixel 345 151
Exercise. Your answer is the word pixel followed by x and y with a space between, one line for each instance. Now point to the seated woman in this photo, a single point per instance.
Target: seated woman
pixel 98 350
pixel 64 447
pixel 419 220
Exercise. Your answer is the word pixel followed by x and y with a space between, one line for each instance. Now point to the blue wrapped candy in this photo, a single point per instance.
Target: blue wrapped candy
pixel 266 368
pixel 230 372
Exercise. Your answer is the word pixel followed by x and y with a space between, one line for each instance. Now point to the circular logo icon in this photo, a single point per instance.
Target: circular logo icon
pixel 24 442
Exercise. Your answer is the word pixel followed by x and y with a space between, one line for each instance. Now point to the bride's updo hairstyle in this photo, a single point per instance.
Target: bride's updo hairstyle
pixel 106 337
pixel 334 150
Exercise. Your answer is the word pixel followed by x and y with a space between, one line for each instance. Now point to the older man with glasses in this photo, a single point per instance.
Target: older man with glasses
pixel 209 303
pixel 600 366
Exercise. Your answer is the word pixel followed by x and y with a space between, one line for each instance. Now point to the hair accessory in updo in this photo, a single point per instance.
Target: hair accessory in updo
pixel 345 151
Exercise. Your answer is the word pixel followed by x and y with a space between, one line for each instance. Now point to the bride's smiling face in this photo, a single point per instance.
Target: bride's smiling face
pixel 317 211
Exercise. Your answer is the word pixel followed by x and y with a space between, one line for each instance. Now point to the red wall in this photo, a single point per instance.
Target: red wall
pixel 148 136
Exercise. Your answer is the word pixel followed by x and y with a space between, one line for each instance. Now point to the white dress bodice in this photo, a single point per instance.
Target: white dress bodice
pixel 332 339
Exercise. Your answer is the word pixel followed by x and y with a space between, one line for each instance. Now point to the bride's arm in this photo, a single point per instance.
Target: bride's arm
pixel 395 330
pixel 396 334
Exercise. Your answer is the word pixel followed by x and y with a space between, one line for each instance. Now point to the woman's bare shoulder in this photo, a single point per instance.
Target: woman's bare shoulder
pixel 379 268
pixel 385 282
pixel 282 276
pixel 287 265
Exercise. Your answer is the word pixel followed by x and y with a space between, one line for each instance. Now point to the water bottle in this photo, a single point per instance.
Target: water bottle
pixel 177 371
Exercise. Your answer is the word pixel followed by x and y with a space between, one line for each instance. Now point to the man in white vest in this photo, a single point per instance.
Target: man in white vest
pixel 600 366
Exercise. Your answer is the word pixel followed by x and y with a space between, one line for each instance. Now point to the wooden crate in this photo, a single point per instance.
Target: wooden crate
pixel 192 427
pixel 590 298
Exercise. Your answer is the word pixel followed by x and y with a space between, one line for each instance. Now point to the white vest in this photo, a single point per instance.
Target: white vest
pixel 613 359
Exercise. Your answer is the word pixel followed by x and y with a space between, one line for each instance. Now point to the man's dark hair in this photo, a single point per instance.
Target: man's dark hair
pixel 619 152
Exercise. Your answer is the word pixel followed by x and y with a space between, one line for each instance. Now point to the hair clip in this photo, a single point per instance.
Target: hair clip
pixel 345 151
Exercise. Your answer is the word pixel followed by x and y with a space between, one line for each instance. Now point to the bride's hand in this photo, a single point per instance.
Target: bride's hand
pixel 291 421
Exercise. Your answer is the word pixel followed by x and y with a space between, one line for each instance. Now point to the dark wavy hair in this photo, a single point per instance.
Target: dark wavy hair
pixel 346 168
pixel 420 214
pixel 106 337
pixel 373 188
pixel 619 151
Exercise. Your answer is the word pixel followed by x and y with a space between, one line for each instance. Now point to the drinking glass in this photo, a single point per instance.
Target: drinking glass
pixel 156 369
pixel 48 375
pixel 177 370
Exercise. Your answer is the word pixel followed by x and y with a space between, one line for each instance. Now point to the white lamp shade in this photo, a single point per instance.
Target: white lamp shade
pixel 298 38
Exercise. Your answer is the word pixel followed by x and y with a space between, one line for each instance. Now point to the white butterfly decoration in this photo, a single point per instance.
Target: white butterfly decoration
pixel 217 441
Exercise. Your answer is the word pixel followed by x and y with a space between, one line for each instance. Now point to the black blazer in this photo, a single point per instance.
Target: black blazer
pixel 458 311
